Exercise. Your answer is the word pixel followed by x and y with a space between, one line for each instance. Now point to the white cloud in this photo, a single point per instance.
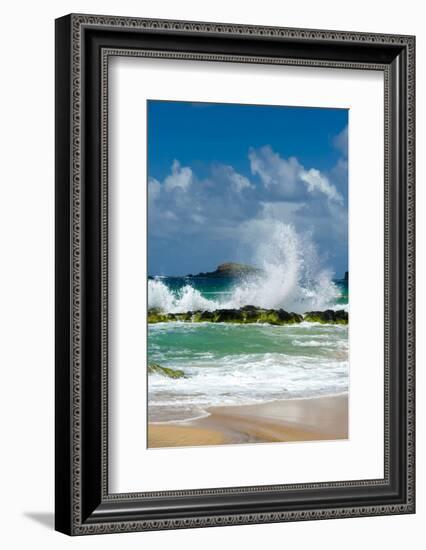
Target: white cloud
pixel 183 203
pixel 169 215
pixel 317 182
pixel 197 218
pixel 229 177
pixel 288 177
pixel 238 181
pixel 218 215
pixel 280 210
pixel 180 178
pixel 154 188
pixel 274 170
pixel 341 141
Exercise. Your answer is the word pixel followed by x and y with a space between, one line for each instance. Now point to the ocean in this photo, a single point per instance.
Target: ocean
pixel 234 364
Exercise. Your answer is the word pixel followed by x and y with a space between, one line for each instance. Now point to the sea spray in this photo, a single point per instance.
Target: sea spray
pixel 292 278
pixel 186 299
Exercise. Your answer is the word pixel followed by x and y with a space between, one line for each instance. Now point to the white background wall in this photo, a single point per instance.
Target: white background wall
pixel 27 262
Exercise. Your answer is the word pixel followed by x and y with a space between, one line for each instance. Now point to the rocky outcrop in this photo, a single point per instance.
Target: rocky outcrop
pixel 250 314
pixel 157 316
pixel 155 368
pixel 229 270
pixel 339 317
pixel 246 315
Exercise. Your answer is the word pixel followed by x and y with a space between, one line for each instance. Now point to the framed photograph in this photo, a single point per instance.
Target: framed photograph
pixel 234 274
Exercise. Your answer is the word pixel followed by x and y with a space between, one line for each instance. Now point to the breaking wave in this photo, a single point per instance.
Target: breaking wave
pixel 292 278
pixel 186 299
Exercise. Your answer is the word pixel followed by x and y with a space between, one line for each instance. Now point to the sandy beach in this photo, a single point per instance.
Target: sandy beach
pixel 323 418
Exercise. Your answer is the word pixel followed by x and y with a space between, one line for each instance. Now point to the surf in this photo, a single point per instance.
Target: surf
pixel 291 276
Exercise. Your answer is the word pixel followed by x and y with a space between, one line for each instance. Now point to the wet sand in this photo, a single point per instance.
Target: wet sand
pixel 323 418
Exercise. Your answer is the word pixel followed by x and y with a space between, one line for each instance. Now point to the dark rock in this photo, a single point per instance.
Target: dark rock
pixel 157 316
pixel 250 314
pixel 155 368
pixel 327 316
pixel 203 316
pixel 228 316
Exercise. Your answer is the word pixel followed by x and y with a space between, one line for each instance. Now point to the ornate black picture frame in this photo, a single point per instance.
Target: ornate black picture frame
pixel 83 45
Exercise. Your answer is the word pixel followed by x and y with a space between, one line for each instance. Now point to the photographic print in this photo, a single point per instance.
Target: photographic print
pixel 247 274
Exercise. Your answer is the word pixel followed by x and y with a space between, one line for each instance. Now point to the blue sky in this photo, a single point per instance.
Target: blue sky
pixel 216 170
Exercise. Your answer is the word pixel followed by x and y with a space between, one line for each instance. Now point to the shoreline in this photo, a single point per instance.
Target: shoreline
pixel 313 419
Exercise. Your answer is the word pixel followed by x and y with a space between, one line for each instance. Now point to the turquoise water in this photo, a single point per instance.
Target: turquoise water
pixel 231 364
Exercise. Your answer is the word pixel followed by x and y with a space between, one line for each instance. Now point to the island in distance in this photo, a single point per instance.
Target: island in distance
pixel 229 269
pixel 232 270
pixel 236 270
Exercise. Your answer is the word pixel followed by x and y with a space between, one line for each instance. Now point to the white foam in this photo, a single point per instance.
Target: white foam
pixel 292 278
pixel 186 299
pixel 311 343
pixel 248 379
